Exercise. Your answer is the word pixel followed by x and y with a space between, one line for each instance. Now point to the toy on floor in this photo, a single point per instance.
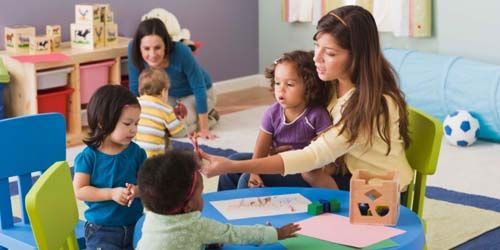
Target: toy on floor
pixel 461 128
pixel 323 206
pixel 374 199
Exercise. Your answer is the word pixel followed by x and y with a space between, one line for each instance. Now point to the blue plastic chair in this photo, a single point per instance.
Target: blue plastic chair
pixel 28 144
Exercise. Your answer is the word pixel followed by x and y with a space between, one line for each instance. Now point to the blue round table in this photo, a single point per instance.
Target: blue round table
pixel 413 238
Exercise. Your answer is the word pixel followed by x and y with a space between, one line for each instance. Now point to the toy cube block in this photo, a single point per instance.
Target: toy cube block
pixel 54 34
pixel 111 34
pixel 315 208
pixel 55 43
pixel 40 45
pixel 110 18
pixel 53 30
pixel 374 199
pixel 334 206
pixel 103 11
pixel 87 13
pixel 326 205
pixel 87 36
pixel 17 38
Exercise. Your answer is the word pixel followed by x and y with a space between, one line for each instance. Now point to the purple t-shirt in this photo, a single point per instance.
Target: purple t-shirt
pixel 297 133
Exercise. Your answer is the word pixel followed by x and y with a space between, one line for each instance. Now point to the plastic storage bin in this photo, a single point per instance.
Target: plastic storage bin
pixel 52 78
pixel 93 76
pixel 2 108
pixel 124 66
pixel 4 78
pixel 54 100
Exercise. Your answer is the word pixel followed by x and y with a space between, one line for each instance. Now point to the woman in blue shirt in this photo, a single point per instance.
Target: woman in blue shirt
pixel 191 85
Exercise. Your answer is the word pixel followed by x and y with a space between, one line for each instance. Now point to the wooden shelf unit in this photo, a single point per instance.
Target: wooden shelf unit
pixel 21 92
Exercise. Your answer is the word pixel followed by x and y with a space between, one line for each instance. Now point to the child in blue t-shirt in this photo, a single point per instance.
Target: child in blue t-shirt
pixel 106 170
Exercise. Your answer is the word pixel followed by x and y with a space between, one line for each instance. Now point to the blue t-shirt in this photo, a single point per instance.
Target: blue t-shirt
pixel 110 171
pixel 187 77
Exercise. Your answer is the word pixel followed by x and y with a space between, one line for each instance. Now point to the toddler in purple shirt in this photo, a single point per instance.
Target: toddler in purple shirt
pixel 297 117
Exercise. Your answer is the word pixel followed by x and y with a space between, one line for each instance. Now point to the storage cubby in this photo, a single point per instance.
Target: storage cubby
pixel 34 86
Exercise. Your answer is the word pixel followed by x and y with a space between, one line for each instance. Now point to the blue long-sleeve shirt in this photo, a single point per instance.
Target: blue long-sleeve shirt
pixel 187 77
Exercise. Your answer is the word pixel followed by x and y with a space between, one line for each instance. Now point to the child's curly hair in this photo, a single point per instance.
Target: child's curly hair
pixel 165 181
pixel 317 92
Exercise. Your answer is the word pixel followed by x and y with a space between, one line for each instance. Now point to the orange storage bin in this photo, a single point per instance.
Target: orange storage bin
pixel 93 76
pixel 54 100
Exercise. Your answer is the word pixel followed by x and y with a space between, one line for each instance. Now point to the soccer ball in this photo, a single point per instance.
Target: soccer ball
pixel 461 128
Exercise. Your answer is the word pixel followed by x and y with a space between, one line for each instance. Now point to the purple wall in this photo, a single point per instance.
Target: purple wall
pixel 228 29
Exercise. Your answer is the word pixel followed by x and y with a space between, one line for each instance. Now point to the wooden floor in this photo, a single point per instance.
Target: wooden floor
pixel 243 99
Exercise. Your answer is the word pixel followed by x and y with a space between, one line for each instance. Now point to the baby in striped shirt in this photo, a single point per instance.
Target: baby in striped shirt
pixel 158 119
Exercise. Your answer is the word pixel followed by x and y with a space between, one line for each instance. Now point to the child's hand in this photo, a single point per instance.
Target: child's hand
pixel 119 195
pixel 180 110
pixel 279 149
pixel 133 193
pixel 194 141
pixel 288 231
pixel 255 181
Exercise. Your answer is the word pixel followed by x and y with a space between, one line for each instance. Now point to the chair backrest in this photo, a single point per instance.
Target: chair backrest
pixel 52 209
pixel 426 133
pixel 27 144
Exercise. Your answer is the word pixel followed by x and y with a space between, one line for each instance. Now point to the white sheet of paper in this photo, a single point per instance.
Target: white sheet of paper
pixel 262 206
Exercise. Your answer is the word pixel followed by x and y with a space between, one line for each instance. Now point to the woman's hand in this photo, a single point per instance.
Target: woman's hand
pixel 216 165
pixel 255 181
pixel 203 125
pixel 206 134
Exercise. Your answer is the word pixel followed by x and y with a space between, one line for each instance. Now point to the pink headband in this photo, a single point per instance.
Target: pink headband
pixel 189 196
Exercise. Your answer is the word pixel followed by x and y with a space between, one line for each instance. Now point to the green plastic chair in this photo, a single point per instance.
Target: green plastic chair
pixel 52 209
pixel 426 133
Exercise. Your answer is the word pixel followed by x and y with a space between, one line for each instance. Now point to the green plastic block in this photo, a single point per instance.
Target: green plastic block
pixel 315 208
pixel 334 206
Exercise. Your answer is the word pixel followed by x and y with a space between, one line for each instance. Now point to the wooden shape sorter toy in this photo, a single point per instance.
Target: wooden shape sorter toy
pixel 374 199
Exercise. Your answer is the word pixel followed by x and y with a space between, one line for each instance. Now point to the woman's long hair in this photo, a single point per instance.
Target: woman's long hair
pixel 367 111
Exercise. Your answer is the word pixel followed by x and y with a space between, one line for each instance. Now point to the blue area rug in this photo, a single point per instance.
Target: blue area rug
pixel 207 149
pixel 488 240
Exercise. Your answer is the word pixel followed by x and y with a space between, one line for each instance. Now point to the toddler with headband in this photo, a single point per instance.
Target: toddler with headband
pixel 171 189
